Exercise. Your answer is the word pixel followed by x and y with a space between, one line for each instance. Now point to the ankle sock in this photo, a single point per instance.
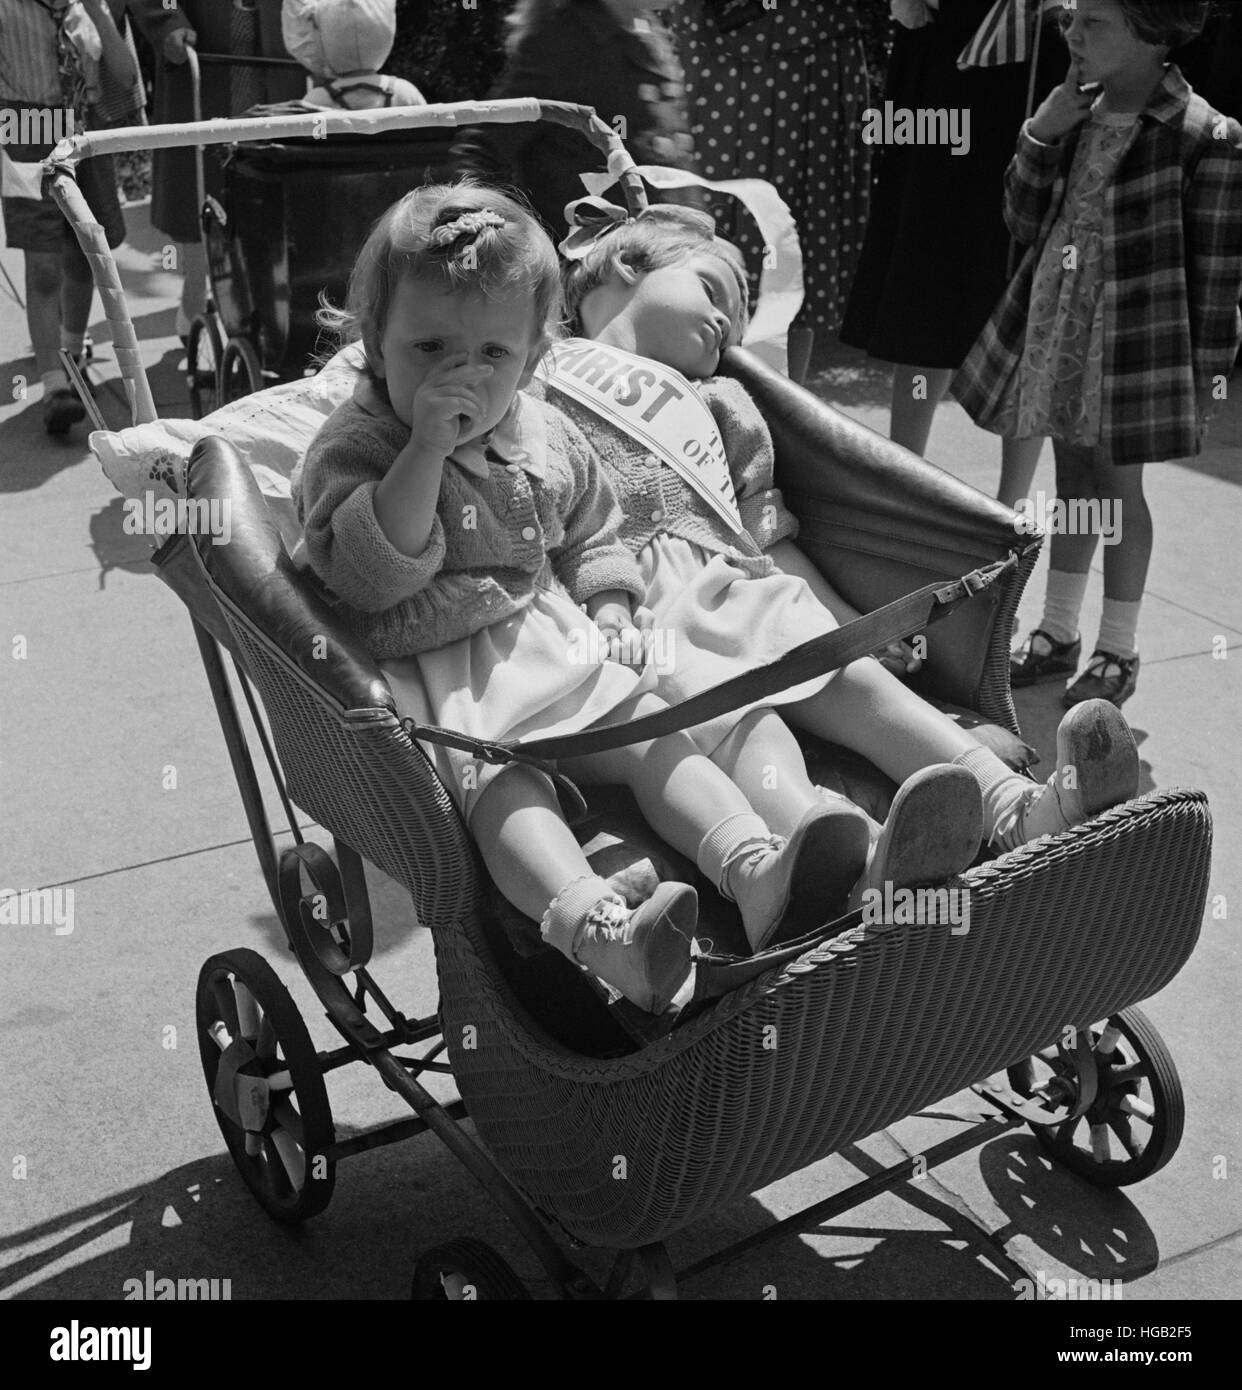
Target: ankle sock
pixel 72 343
pixel 723 841
pixel 55 380
pixel 568 910
pixel 1006 796
pixel 1062 604
pixel 1119 628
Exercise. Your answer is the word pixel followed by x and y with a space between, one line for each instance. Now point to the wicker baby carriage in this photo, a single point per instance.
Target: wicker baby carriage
pixel 817 1045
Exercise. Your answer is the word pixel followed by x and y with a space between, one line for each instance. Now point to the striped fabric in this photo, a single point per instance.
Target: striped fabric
pixel 28 62
pixel 1003 37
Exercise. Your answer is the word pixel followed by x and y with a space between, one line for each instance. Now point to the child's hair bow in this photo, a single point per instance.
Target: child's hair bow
pixel 591 219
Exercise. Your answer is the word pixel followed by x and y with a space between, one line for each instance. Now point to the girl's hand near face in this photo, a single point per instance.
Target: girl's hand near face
pixel 443 409
pixel 1063 109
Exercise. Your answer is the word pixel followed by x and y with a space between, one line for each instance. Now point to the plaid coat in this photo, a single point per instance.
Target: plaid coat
pixel 1173 275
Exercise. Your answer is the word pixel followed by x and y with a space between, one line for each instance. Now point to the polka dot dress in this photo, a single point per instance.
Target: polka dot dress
pixel 781 98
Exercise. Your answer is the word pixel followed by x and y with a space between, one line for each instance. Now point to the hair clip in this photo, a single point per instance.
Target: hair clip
pixel 468 224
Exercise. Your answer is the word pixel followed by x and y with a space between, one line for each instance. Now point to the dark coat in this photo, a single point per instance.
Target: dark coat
pixel 578 52
pixel 173 185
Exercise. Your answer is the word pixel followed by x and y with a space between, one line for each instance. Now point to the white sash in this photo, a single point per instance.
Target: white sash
pixel 656 406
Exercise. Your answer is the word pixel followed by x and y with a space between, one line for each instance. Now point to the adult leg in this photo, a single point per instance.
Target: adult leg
pixel 917 391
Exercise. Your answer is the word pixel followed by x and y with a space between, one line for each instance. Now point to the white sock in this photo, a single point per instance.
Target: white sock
pixel 568 910
pixel 55 380
pixel 1005 796
pixel 72 342
pixel 1062 604
pixel 723 840
pixel 1119 627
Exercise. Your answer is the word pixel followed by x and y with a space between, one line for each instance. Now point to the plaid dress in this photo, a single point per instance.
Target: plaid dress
pixel 1172 262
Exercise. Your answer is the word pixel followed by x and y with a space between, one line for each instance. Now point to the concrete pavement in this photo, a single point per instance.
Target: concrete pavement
pixel 114 782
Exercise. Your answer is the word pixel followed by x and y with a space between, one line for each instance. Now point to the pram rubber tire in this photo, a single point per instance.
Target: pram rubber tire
pixel 465 1269
pixel 1121 1079
pixel 241 372
pixel 279 1043
pixel 204 350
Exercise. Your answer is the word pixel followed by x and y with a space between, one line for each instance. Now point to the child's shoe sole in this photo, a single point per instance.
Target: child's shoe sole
pixel 933 831
pixel 1095 740
pixel 826 853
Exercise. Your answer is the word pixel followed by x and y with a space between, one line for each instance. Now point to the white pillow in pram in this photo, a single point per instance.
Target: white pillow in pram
pixel 271 431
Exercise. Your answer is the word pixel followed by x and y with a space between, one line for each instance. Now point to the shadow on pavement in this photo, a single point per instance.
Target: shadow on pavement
pixel 199 1222
pixel 1098 1232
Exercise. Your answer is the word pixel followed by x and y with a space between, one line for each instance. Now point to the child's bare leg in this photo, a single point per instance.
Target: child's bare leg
pixel 44 270
pixel 1019 459
pixel 869 710
pixel 540 868
pixel 761 756
pixel 914 403
pixel 695 806
pixel 529 851
pixel 1126 562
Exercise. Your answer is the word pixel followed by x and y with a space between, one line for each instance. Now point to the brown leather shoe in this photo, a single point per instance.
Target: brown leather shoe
pixel 1039 658
pixel 1107 677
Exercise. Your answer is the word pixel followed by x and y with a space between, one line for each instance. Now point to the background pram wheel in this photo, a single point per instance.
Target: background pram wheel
pixel 241 372
pixel 1134 1125
pixel 202 367
pixel 265 1084
pixel 465 1269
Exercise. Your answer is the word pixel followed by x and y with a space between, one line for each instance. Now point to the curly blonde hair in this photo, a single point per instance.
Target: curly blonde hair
pixel 457 236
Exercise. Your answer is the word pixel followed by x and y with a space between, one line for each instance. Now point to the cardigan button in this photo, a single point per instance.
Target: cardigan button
pixel 650 460
pixel 528 533
pixel 657 515
pixel 513 467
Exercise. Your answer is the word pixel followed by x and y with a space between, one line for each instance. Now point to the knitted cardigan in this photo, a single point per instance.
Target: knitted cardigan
pixel 654 499
pixel 490 543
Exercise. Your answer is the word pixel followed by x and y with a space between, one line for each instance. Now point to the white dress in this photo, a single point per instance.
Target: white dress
pixel 721 621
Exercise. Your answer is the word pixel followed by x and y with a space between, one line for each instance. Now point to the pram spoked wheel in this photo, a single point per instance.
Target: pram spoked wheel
pixel 202 368
pixel 465 1269
pixel 241 372
pixel 266 1085
pixel 1133 1125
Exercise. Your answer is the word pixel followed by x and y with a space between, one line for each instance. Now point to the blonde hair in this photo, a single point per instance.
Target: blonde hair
pixel 460 236
pixel 661 235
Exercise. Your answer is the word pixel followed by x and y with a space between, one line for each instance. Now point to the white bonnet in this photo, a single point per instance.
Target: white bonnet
pixel 332 37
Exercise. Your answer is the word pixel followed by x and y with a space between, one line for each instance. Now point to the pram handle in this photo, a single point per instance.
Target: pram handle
pixel 59 177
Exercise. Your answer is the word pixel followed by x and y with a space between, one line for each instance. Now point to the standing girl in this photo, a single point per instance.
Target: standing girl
pixel 459 524
pixel 1122 323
